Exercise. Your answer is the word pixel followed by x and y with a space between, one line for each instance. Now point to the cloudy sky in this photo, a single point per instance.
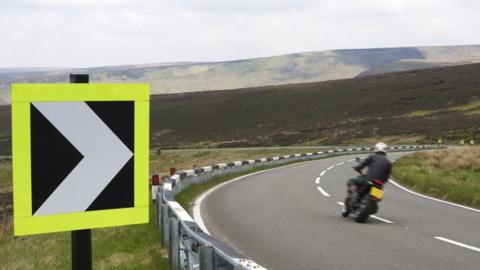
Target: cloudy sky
pixel 83 33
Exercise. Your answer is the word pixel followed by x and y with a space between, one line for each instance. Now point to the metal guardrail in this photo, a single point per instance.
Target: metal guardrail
pixel 191 248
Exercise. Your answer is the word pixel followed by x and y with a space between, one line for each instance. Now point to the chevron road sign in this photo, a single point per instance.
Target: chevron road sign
pixel 80 156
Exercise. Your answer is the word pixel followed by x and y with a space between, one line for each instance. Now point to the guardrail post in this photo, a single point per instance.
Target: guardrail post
pixel 207 258
pixel 158 202
pixel 174 250
pixel 164 224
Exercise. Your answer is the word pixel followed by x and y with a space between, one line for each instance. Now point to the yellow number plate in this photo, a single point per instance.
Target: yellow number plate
pixel 376 193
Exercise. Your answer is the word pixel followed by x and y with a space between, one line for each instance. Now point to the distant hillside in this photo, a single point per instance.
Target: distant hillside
pixel 404 107
pixel 27 69
pixel 275 70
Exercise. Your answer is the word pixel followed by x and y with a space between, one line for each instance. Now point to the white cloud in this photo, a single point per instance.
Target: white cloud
pixel 92 33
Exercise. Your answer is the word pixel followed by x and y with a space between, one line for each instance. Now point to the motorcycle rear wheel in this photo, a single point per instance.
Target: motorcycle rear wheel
pixel 367 207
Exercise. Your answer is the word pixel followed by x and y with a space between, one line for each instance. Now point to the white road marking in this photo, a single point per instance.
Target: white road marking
pixel 317 181
pixel 341 203
pixel 323 192
pixel 382 219
pixel 331 167
pixel 434 199
pixel 457 243
pixel 197 215
pixel 340 163
pixel 322 173
pixel 351 160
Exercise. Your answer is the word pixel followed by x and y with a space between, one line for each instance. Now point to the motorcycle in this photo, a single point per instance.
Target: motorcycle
pixel 361 203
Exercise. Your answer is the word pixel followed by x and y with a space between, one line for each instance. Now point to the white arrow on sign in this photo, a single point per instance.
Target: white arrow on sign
pixel 104 156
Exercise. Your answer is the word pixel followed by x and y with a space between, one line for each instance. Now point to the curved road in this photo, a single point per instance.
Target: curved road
pixel 289 219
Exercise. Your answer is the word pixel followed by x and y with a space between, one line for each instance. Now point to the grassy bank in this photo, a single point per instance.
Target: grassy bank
pixel 5 176
pixel 126 247
pixel 449 174
pixel 415 107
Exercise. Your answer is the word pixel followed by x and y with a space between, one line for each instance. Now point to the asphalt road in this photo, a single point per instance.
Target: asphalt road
pixel 282 220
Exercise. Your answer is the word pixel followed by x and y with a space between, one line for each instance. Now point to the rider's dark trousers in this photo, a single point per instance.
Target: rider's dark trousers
pixel 360 182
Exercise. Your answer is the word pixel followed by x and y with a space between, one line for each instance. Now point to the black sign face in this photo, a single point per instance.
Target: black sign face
pixel 82 156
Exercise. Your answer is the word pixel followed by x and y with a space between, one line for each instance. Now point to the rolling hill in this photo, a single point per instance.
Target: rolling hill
pixel 275 70
pixel 418 106
pixel 403 107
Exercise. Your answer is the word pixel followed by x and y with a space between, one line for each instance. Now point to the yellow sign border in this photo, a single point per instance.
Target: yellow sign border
pixel 22 95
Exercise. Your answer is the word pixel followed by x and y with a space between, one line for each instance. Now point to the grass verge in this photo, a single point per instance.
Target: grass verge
pixel 5 176
pixel 449 174
pixel 126 247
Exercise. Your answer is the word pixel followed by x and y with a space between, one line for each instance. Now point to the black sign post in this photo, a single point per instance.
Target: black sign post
pixel 81 239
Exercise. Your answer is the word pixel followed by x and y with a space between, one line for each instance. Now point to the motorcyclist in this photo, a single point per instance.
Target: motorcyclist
pixel 379 167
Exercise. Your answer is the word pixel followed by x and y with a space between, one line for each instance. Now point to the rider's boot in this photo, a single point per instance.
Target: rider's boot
pixel 347 206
